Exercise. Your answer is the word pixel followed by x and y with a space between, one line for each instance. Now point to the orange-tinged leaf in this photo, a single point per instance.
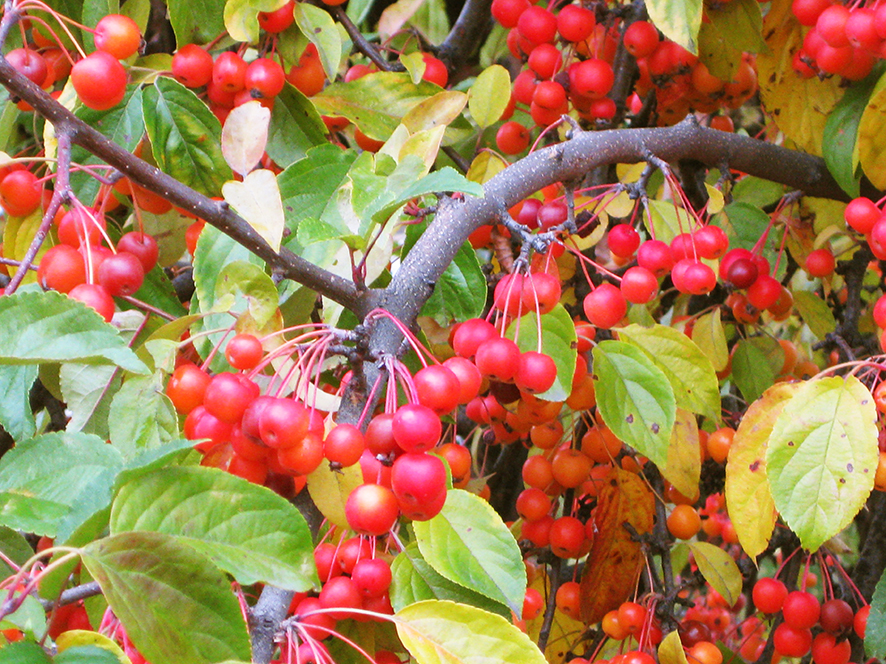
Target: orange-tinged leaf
pixel 748 498
pixel 683 468
pixel 615 559
pixel 670 650
pixel 719 569
pixel 799 106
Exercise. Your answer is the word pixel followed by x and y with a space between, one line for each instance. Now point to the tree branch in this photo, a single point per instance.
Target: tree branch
pixel 217 214
pixel 467 35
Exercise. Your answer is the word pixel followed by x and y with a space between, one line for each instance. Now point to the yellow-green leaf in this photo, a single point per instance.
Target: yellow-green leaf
pixel 489 95
pixel 871 142
pixel 670 650
pixel 719 569
pixel 748 498
pixel 686 367
pixel 822 457
pixel 710 337
pixel 441 632
pixel 330 489
pixel 679 20
pixel 485 166
pixel 683 468
pixel 441 109
pixel 317 25
pixel 241 17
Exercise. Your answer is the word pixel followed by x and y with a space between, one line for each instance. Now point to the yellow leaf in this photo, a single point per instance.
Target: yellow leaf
pixel 415 65
pixel 621 205
pixel 490 95
pixel 257 200
pixel 485 166
pixel 683 467
pixel 798 106
pixel 395 17
pixel 670 650
pixel 615 559
pixel 719 569
pixel 18 233
pixel 716 202
pixel 748 498
pixel 425 145
pixel 440 110
pixel 330 489
pixel 84 637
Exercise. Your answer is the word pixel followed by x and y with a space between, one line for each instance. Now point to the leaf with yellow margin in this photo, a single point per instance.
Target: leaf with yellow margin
pixel 485 166
pixel 748 498
pixel 85 637
pixel 615 560
pixel 683 468
pixel 871 141
pixel 719 569
pixel 799 106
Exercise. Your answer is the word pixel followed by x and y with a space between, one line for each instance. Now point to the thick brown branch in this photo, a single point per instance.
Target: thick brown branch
pixel 467 35
pixel 217 214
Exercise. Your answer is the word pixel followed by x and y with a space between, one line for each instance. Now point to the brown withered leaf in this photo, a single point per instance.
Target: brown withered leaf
pixel 615 559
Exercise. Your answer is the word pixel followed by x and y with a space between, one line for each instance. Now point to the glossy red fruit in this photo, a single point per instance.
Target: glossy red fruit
pixel 244 351
pixel 264 78
pixel 99 80
pixel 792 641
pixel 469 378
pixel 118 35
pixel 192 66
pixel 344 444
pixel 29 63
pixel 371 509
pixel 605 306
pixel 278 20
pixel 639 285
pixel 228 395
pixel 283 423
pixel 468 337
pixel 623 240
pixel 437 388
pixel 141 245
pixel 498 359
pixel 372 577
pixel 769 595
pixel 20 193
pixel 121 274
pixel 416 428
pixel 536 372
pixel 801 610
pixel 541 292
pixel 418 479
pixel 229 72
pixel 820 263
pixel 656 257
pixel 186 387
pixel 96 297
pixel 61 268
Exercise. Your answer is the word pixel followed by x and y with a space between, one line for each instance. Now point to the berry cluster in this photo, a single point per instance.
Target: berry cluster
pixel 580 75
pixel 843 40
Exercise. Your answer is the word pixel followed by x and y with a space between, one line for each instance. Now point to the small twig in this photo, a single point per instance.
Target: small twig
pixel 75 594
pixel 362 44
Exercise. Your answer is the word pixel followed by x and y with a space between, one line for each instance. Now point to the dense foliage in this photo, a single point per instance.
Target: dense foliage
pixel 492 332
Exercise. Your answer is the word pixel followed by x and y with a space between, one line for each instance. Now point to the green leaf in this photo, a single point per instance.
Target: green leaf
pixel 460 292
pixel 686 367
pixel 375 103
pixel 822 457
pixel 185 136
pixel 247 280
pixel 88 390
pixel 241 17
pixel 489 95
pixel 415 580
pixel 815 312
pixel 744 223
pixel 157 290
pixel 709 335
pixel 124 125
pixel 50 327
pixel 175 604
pixel 54 482
pixel 875 635
pixel 437 632
pixel 142 416
pixel 469 544
pixel 558 341
pixel 148 460
pixel 733 27
pixel 679 20
pixel 215 250
pixel 635 398
pixel 253 533
pixel 15 547
pixel 317 25
pixel 719 569
pixel 295 127
pixel 308 185
pixel 196 21
pixel 23 652
pixel 86 655
pixel 838 144
pixel 755 364
pixel 30 618
pixel 757 192
pixel 15 408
